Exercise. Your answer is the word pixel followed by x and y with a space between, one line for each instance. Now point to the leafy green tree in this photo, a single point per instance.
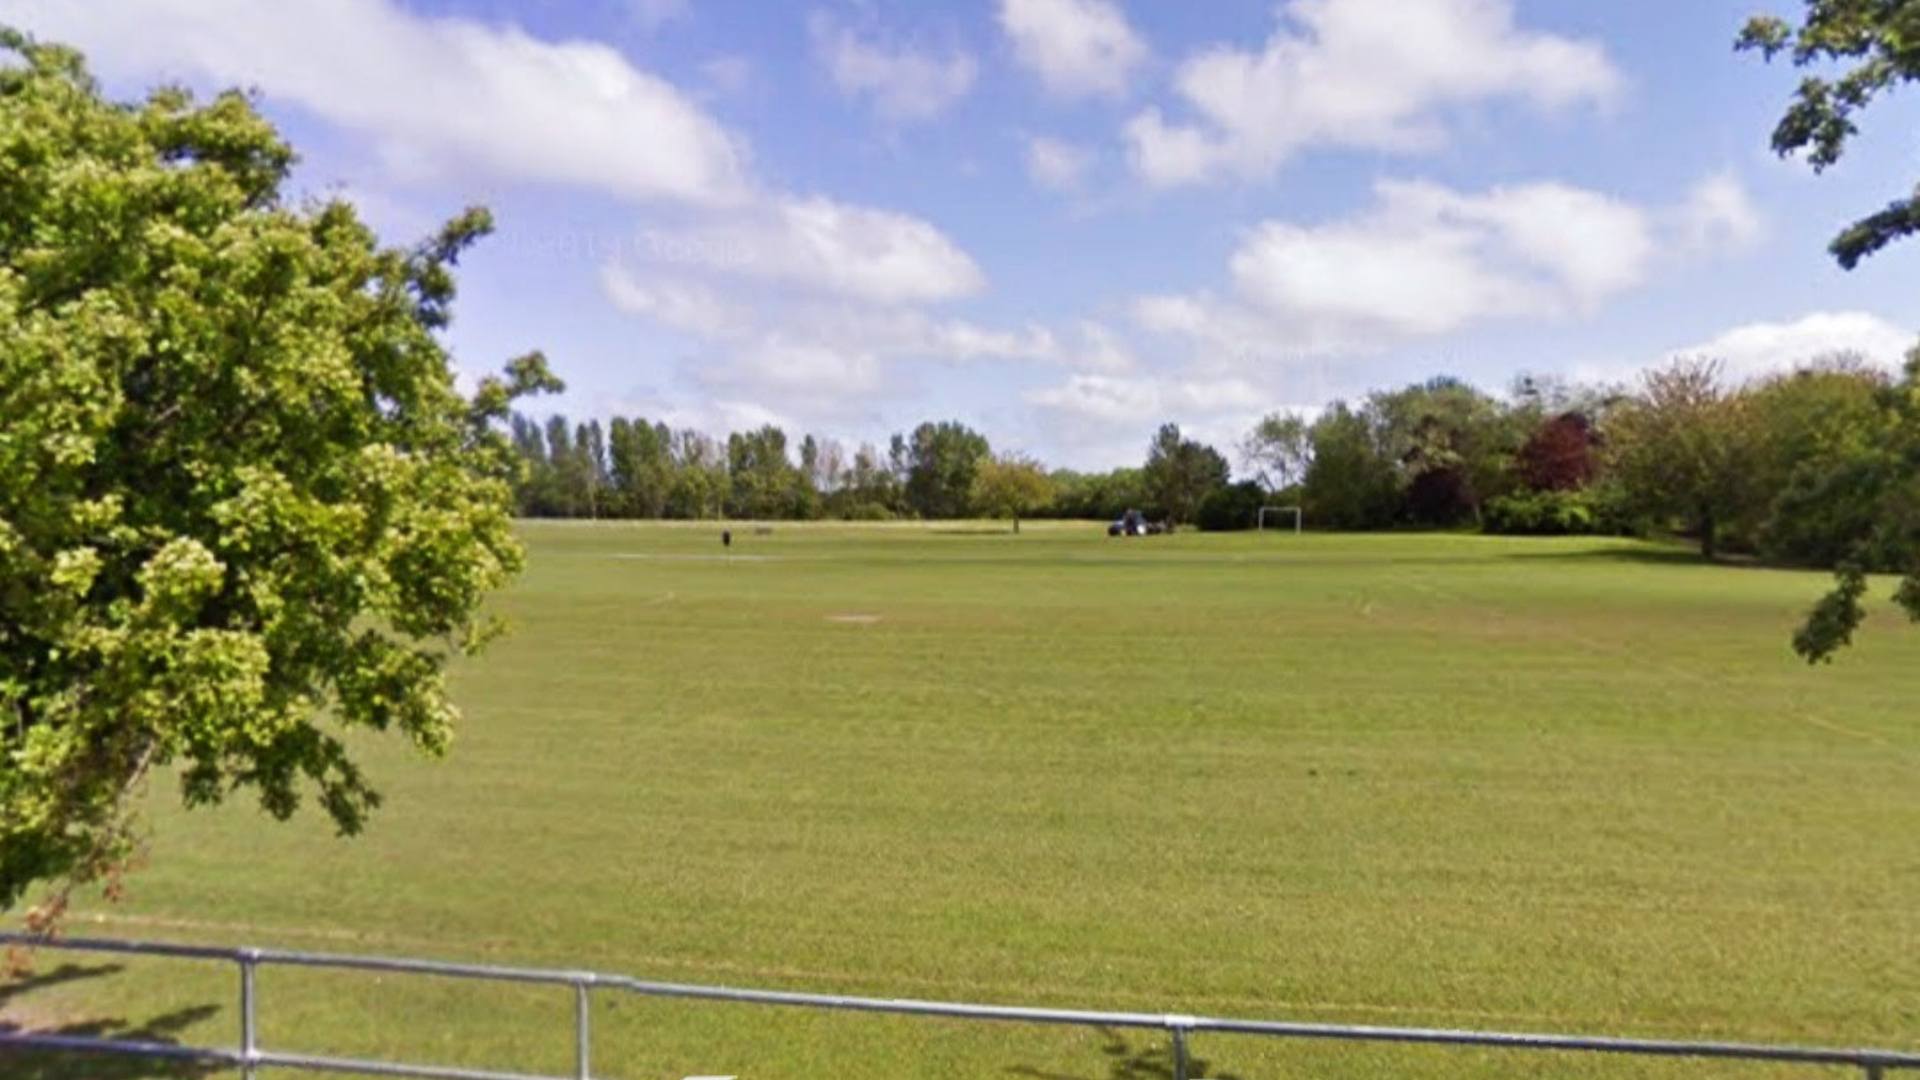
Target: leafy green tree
pixel 1681 450
pixel 701 484
pixel 1453 446
pixel 1874 41
pixel 1011 486
pixel 1806 424
pixel 871 488
pixel 533 482
pixel 1180 473
pixel 1350 483
pixel 1278 450
pixel 590 443
pixel 1236 506
pixel 1101 496
pixel 243 507
pixel 569 475
pixel 639 466
pixel 940 461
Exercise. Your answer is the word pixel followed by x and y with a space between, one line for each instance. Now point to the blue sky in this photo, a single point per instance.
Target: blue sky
pixel 1063 221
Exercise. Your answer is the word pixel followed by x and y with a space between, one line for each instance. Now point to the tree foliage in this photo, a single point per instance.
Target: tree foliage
pixel 1350 482
pixel 1877 42
pixel 1180 473
pixel 1560 454
pixel 1278 449
pixel 243 507
pixel 1011 486
pixel 1680 449
pixel 938 461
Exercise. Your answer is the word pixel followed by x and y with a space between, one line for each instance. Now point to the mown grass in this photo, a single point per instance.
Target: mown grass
pixel 1437 780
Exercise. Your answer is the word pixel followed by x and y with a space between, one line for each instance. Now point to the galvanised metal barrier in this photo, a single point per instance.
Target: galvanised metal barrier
pixel 250 1057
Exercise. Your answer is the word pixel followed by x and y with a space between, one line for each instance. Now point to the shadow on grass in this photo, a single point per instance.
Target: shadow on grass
pixel 1648 555
pixel 49 1065
pixel 1151 1059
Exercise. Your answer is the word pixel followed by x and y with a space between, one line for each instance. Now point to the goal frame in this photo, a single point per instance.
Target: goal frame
pixel 1260 519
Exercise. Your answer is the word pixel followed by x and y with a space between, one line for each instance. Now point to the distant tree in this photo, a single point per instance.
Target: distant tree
pixel 1180 473
pixel 701 484
pixel 1876 37
pixel 763 480
pixel 590 443
pixel 830 467
pixel 872 487
pixel 639 467
pixel 1350 483
pixel 1679 449
pixel 1011 486
pixel 940 461
pixel 1560 455
pixel 1101 496
pixel 1236 506
pixel 245 511
pixel 1278 451
pixel 533 480
pixel 806 493
pixel 1453 447
pixel 569 468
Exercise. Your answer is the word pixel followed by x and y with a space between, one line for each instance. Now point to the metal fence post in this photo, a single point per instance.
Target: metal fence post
pixel 1179 1026
pixel 582 1034
pixel 249 1016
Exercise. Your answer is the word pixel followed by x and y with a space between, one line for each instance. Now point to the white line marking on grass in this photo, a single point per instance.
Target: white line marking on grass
pixel 855 618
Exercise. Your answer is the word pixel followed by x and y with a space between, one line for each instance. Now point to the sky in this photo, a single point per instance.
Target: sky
pixel 1063 222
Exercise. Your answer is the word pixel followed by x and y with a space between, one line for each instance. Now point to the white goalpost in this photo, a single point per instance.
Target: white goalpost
pixel 1265 510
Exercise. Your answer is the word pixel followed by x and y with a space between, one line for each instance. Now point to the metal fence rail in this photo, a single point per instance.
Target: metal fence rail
pixel 251 1058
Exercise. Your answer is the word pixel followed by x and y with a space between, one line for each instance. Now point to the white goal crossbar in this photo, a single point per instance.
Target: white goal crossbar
pixel 1265 510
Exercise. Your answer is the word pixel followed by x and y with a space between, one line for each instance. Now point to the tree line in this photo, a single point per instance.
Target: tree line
pixel 635 468
pixel 1792 466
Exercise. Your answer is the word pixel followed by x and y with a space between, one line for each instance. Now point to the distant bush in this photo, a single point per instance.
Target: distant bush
pixel 1829 513
pixel 869 511
pixel 1546 513
pixel 1232 507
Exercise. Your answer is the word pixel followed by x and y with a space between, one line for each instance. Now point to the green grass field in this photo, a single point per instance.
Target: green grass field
pixel 1434 780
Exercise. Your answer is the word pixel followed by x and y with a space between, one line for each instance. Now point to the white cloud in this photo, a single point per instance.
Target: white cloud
pixel 1428 260
pixel 1078 48
pixel 1101 350
pixel 728 74
pixel 903 82
pixel 1109 418
pixel 677 305
pixel 1719 216
pixel 1376 74
pixel 715 417
pixel 819 245
pixel 1763 348
pixel 441 96
pixel 1056 164
pixel 797 370
pixel 653 14
pixel 1141 399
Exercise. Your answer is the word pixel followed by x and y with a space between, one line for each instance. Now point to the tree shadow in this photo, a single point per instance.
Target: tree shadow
pixel 22 1064
pixel 1151 1059
pixel 1646 556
